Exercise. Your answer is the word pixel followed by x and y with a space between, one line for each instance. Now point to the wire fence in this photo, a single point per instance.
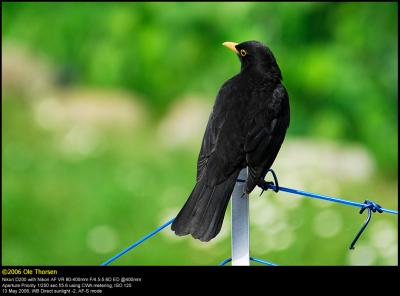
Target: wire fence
pixel 371 206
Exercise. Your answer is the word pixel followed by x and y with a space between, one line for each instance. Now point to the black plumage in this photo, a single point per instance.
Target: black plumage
pixel 246 128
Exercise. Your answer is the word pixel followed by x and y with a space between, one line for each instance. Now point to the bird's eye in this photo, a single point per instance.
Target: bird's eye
pixel 243 52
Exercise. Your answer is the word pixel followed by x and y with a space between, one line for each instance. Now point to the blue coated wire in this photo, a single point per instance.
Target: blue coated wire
pixel 285 189
pixel 262 261
pixel 251 259
pixel 225 261
pixel 328 198
pixel 137 243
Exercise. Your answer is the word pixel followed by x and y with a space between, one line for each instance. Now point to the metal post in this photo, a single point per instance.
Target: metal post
pixel 240 223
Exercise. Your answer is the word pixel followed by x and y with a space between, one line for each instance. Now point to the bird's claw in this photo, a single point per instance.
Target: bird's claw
pixel 265 186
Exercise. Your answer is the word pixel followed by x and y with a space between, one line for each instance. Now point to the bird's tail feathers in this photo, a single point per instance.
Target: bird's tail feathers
pixel 204 211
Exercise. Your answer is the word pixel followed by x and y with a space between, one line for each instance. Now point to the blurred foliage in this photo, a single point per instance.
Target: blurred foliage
pixel 339 63
pixel 339 60
pixel 54 205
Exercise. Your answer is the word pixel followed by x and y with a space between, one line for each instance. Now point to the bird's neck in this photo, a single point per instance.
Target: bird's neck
pixel 262 71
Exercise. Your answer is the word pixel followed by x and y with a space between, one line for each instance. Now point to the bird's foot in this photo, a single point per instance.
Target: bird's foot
pixel 264 185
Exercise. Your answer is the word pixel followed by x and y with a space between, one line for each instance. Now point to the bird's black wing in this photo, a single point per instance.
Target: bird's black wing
pixel 209 140
pixel 220 160
pixel 219 153
pixel 267 129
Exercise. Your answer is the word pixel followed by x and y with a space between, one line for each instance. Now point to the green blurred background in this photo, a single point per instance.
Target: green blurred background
pixel 104 107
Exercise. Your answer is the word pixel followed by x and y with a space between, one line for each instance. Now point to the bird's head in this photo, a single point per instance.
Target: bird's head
pixel 255 55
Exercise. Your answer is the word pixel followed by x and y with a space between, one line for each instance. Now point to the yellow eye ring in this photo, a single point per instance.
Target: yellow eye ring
pixel 243 52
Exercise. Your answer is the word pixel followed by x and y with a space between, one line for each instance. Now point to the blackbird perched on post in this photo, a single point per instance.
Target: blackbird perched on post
pixel 246 128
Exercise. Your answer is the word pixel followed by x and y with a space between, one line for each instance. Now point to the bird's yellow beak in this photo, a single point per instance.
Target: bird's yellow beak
pixel 231 46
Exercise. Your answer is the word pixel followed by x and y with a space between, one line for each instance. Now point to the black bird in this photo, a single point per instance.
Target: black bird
pixel 245 129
